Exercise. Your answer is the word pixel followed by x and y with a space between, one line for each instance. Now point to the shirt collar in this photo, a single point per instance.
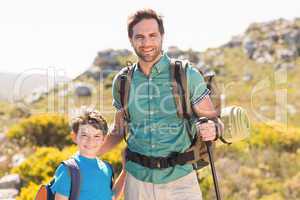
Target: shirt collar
pixel 162 64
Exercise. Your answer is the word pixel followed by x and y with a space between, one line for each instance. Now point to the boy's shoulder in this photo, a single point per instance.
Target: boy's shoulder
pixel 66 174
pixel 65 166
pixel 61 169
pixel 108 165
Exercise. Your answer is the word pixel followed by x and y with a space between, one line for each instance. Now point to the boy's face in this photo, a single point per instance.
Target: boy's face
pixel 89 140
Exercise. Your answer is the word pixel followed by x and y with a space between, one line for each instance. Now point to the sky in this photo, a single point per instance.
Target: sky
pixel 66 35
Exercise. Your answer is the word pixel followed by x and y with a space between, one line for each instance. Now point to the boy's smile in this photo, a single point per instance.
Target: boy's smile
pixel 89 140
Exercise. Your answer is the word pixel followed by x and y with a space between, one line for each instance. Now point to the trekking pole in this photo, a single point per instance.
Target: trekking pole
pixel 211 161
pixel 213 169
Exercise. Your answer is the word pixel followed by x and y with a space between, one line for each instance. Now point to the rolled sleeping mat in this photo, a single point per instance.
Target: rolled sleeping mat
pixel 236 124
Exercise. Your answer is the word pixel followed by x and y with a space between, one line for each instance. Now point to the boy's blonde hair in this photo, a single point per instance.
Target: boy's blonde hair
pixel 89 116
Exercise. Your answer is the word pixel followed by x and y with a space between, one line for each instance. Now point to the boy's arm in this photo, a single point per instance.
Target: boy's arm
pixel 62 184
pixel 60 197
pixel 116 134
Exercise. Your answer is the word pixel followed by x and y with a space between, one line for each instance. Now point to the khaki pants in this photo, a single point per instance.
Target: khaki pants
pixel 185 188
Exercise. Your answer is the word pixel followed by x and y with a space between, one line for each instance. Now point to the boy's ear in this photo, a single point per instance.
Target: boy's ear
pixel 73 137
pixel 105 138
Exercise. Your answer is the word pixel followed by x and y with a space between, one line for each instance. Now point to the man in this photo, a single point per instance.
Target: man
pixel 155 130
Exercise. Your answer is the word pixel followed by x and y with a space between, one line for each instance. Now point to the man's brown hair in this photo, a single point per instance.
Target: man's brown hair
pixel 91 117
pixel 144 14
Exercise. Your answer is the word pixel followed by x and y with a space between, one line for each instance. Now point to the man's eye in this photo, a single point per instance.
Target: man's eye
pixel 139 37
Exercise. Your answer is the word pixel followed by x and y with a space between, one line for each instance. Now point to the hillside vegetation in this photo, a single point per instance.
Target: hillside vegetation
pixel 258 70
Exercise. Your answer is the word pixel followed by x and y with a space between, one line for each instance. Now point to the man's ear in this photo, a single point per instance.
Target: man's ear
pixel 130 40
pixel 73 137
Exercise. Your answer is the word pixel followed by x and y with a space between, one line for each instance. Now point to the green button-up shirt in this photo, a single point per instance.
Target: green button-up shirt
pixel 155 129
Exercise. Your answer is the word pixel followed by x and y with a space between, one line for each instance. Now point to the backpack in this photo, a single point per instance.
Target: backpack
pixel 180 92
pixel 45 193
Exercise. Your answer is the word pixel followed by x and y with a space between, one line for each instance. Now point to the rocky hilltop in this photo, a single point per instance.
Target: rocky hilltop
pixel 270 42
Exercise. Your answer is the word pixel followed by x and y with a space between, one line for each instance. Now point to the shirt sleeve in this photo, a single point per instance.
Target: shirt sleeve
pixel 115 93
pixel 62 183
pixel 197 85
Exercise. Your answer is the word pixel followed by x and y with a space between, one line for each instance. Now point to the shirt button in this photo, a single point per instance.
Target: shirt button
pixel 152 145
pixel 151 97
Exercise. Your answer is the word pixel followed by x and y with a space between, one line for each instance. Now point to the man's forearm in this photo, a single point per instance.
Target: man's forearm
pixel 111 141
pixel 119 185
pixel 116 134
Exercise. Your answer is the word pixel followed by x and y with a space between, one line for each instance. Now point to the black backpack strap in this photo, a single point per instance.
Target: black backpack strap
pixel 180 88
pixel 75 178
pixel 181 91
pixel 122 82
pixel 112 175
pixel 125 78
pixel 184 85
pixel 176 87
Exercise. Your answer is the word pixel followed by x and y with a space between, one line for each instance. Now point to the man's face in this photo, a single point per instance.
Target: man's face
pixel 146 40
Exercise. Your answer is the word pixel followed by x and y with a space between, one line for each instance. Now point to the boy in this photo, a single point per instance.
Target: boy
pixel 89 130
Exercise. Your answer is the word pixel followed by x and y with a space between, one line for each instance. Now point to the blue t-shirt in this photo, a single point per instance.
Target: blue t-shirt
pixel 96 179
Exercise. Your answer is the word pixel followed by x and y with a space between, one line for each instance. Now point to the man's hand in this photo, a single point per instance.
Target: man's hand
pixel 207 131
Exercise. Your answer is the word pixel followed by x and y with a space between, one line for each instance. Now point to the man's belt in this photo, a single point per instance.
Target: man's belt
pixel 159 162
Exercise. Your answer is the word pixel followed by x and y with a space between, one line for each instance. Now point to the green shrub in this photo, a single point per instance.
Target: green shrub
pixel 272 136
pixel 273 196
pixel 28 193
pixel 269 186
pixel 39 169
pixel 276 136
pixel 41 130
pixel 40 166
pixel 292 186
pixel 206 183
